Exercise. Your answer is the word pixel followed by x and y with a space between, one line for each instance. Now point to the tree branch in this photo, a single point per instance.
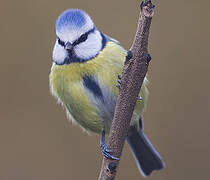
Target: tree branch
pixel 134 72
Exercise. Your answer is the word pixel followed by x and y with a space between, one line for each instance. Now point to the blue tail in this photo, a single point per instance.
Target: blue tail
pixel 147 158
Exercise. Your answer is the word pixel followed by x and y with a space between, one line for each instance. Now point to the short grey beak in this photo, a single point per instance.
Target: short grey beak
pixel 68 46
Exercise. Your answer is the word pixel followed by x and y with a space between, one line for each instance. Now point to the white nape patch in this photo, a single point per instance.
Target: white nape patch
pixel 91 47
pixel 72 33
pixel 59 53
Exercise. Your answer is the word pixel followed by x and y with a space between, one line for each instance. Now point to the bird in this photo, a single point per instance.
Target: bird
pixel 86 66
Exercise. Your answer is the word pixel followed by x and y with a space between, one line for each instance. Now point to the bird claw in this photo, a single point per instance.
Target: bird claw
pixel 105 150
pixel 129 56
pixel 109 156
pixel 119 81
pixel 118 86
pixel 149 58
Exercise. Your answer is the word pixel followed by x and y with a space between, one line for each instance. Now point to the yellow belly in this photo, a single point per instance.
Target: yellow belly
pixel 90 112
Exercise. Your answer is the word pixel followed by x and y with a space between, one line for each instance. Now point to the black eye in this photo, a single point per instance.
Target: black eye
pixel 83 37
pixel 61 42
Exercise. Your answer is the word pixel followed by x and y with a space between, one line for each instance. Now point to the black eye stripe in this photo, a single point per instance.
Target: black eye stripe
pixel 61 42
pixel 83 37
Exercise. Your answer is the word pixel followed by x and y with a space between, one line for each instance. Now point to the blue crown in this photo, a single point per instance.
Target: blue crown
pixel 74 18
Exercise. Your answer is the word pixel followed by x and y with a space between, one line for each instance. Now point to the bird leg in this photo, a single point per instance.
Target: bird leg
pixel 104 149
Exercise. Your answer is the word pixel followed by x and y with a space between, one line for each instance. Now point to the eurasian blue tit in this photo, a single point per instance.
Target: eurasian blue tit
pixel 86 64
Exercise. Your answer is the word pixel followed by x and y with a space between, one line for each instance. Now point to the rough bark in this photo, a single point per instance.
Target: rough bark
pixel 134 72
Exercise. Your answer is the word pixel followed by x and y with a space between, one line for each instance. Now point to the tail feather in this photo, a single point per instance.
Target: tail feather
pixel 147 158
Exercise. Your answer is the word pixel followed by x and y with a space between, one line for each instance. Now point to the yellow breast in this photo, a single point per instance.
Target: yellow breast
pixel 66 82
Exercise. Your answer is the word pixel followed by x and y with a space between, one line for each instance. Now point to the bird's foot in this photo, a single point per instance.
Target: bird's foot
pixel 129 56
pixel 119 77
pixel 149 58
pixel 105 150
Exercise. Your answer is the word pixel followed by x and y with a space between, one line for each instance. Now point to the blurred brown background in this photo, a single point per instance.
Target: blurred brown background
pixel 37 141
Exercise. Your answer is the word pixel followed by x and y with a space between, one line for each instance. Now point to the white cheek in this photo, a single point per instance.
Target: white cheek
pixel 59 53
pixel 91 47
